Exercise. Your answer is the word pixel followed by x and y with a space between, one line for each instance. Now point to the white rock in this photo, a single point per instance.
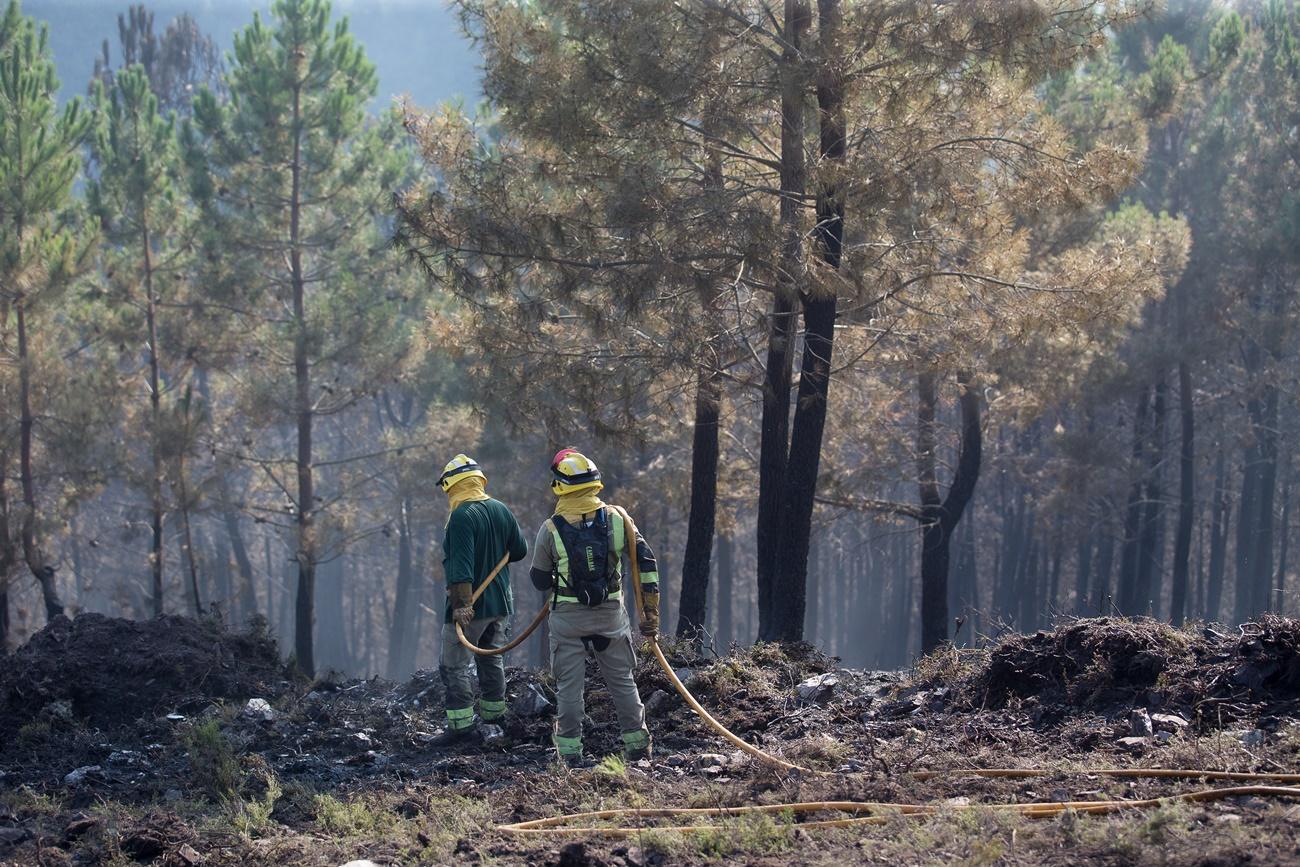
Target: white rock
pixel 75 778
pixel 259 708
pixel 817 687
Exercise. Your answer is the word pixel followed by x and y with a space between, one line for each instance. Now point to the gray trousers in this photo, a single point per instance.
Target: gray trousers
pixel 454 666
pixel 607 625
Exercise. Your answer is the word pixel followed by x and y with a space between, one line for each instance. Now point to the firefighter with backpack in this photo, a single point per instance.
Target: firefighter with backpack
pixel 578 560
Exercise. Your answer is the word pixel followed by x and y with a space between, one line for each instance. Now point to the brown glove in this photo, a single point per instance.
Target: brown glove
pixel 650 613
pixel 462 609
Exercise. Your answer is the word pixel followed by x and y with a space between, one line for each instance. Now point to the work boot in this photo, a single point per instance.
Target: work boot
pixel 578 761
pixel 458 731
pixel 637 745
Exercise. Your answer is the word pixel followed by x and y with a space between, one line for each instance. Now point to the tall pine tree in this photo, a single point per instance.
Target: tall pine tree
pixel 293 179
pixel 41 248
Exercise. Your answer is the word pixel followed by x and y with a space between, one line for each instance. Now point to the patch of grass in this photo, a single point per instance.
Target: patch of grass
pixel 821 748
pixel 212 761
pixel 252 816
pixel 353 817
pixel 23 801
pixel 446 820
pixel 665 844
pixel 748 834
pixel 34 733
pixel 612 765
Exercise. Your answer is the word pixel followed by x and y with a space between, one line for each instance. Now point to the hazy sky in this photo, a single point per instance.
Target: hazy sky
pixel 416 44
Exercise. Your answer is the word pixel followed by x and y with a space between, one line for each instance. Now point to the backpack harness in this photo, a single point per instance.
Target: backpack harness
pixel 582 559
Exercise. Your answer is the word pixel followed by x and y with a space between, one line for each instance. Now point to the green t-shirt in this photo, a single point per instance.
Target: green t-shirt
pixel 478 534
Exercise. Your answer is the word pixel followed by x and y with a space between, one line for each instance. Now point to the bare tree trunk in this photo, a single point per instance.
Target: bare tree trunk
pixel 1284 528
pixel 1082 575
pixel 188 538
pixel 9 557
pixel 1129 591
pixel 774 444
pixel 1150 547
pixel 401 644
pixel 1186 497
pixel 305 604
pixel 1262 566
pixel 1219 518
pixel 696 562
pixel 819 339
pixel 941 516
pixel 726 578
pixel 41 569
pixel 155 418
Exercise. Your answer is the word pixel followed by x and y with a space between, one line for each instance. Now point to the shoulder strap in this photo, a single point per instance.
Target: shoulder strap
pixel 620 532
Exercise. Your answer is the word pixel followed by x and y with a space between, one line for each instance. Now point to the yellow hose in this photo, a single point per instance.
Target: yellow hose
pixel 514 642
pixel 630 532
pixel 881 811
pixel 557 824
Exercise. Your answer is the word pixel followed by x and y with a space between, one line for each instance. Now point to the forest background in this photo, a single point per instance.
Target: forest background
pixel 888 327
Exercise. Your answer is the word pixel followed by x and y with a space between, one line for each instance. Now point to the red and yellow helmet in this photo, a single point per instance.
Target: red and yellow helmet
pixel 573 471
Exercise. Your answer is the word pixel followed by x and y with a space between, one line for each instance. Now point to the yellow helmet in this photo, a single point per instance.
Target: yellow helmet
pixel 574 471
pixel 458 469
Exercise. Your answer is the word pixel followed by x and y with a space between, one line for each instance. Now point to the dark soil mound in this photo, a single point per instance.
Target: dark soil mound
pixel 1108 664
pixel 1089 662
pixel 111 671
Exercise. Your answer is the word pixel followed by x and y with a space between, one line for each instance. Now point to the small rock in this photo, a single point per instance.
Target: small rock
pixel 712 772
pixel 175 717
pixel 492 734
pixel 675 761
pixel 366 862
pixel 189 854
pixel 1164 736
pixel 1132 743
pixel 961 801
pixel 77 827
pixel 532 702
pixel 1225 818
pixel 657 700
pixel 710 760
pixel 1170 722
pixel 817 687
pixel 1139 722
pixel 685 675
pixel 78 776
pixel 13 836
pixel 259 709
pixel 1252 738
pixel 58 711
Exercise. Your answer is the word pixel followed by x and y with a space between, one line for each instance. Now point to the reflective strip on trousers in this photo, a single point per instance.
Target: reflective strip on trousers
pixel 460 717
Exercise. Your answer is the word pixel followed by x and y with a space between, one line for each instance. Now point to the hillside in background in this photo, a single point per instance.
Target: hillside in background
pixel 417 44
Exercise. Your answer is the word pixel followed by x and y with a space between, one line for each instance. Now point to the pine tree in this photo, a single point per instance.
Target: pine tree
pixel 137 200
pixel 41 248
pixel 291 177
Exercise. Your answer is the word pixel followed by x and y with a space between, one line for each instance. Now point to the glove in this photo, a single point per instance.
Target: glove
pixel 462 609
pixel 650 613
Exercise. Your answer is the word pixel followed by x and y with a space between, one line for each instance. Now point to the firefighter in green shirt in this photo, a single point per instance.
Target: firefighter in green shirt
pixel 480 530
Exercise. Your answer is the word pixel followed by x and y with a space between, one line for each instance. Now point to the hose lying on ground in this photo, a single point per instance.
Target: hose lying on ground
pixel 518 639
pixel 880 812
pixel 630 532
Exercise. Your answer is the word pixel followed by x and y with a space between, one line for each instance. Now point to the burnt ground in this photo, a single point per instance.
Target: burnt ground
pixel 136 742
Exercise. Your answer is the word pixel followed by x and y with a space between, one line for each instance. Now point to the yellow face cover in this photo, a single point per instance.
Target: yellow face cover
pixel 469 490
pixel 580 502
